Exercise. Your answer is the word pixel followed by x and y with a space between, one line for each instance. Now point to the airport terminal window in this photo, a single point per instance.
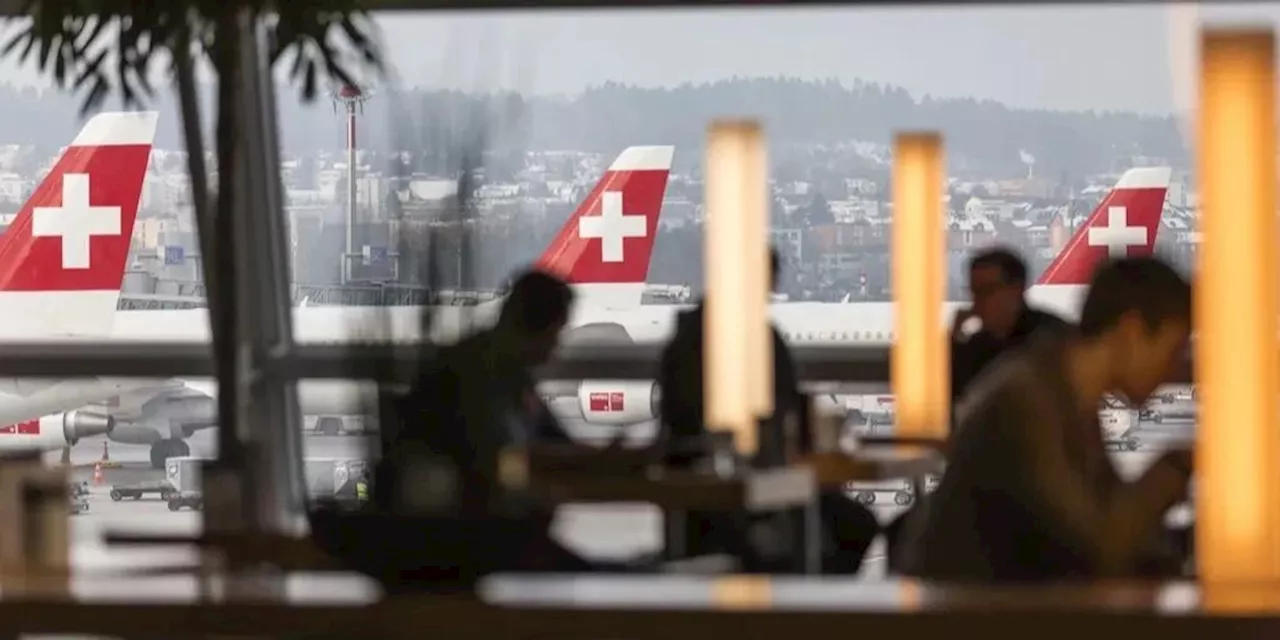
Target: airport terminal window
pixel 1032 150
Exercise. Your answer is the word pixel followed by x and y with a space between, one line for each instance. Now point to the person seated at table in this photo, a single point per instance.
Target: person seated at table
pixel 998 290
pixel 1030 492
pixel 849 527
pixel 478 398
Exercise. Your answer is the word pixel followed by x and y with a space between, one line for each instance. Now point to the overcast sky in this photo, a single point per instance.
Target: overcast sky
pixel 1056 57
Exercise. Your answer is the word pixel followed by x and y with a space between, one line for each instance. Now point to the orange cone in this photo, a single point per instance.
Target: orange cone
pixel 105 455
pixel 97 473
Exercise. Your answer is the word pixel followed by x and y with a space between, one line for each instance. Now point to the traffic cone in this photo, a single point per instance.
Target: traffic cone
pixel 97 473
pixel 105 456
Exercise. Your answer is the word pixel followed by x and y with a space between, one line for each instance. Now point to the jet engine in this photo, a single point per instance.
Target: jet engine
pixel 618 402
pixel 55 431
pixel 81 424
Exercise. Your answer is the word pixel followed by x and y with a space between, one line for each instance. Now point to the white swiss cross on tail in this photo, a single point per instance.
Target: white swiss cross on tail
pixel 1117 236
pixel 612 226
pixel 1124 224
pixel 604 248
pixel 75 221
pixel 63 257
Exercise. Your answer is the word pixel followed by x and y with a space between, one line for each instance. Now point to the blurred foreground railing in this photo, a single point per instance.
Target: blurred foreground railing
pixel 379 362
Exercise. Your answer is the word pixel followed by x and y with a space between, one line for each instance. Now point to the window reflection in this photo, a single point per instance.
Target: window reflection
pixel 1033 149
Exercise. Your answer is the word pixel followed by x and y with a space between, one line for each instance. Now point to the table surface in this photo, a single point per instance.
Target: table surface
pixel 639 592
pixel 579 606
pixel 790 486
pixel 877 462
pixel 793 593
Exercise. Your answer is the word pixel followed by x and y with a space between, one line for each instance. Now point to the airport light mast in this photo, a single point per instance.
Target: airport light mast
pixel 352 98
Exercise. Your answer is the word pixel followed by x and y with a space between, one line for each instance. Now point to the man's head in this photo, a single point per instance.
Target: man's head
pixel 997 282
pixel 535 311
pixel 1139 309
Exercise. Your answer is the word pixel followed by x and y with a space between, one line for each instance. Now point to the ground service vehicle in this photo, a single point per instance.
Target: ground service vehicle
pixel 193 500
pixel 135 490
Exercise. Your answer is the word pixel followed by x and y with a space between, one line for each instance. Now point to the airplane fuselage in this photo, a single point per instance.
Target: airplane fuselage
pixel 801 323
pixel 863 323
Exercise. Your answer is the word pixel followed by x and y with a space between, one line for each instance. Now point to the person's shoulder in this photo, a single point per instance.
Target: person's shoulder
pixel 777 334
pixel 1048 320
pixel 452 355
pixel 688 326
pixel 468 356
pixel 1010 378
pixel 690 317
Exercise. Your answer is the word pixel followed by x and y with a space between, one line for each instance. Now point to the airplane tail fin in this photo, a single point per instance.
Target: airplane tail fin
pixel 604 248
pixel 1124 224
pixel 63 258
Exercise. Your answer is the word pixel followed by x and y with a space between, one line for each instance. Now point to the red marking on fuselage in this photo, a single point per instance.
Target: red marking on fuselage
pixel 26 427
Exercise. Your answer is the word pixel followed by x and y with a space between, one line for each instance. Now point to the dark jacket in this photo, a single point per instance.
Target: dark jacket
pixel 681 381
pixel 1030 493
pixel 681 404
pixel 469 404
pixel 441 519
pixel 969 357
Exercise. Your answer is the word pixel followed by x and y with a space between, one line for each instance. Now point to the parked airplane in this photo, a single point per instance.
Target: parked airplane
pixel 604 249
pixel 611 273
pixel 62 261
pixel 1125 222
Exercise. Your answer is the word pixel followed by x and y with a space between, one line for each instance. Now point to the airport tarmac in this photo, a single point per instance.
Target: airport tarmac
pixel 94 564
pixel 603 531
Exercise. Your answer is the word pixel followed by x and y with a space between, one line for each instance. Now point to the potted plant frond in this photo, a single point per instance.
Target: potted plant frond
pixel 124 48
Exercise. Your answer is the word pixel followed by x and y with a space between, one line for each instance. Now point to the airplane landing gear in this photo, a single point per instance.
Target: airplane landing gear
pixel 168 448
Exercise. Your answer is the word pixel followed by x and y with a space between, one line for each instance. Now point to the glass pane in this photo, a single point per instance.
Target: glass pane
pixel 1043 109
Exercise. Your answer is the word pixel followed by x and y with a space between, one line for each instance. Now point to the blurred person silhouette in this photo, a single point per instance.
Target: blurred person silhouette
pixel 1030 492
pixel 477 398
pixel 997 287
pixel 849 527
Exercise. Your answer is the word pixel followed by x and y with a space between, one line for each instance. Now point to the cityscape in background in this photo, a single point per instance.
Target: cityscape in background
pixel 457 176
pixel 1023 186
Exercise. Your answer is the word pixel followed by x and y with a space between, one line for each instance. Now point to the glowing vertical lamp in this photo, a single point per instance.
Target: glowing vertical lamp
pixel 738 344
pixel 735 258
pixel 756 245
pixel 920 375
pixel 1237 365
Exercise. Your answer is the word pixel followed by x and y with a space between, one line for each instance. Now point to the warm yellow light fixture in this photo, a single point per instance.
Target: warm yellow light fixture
pixel 736 259
pixel 742 592
pixel 1248 600
pixel 920 374
pixel 1237 365
pixel 756 245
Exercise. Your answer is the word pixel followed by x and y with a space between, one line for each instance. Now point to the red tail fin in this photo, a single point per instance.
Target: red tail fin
pixel 1124 224
pixel 609 238
pixel 63 258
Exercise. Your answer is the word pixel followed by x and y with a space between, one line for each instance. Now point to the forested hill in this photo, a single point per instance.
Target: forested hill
pixel 981 135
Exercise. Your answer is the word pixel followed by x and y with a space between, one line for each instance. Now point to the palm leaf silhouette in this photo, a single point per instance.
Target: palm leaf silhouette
pixel 97 49
pixel 106 47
